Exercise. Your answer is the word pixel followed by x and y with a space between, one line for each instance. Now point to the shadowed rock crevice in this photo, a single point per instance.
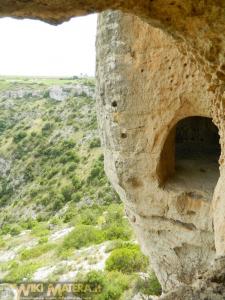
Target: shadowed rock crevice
pixel 189 159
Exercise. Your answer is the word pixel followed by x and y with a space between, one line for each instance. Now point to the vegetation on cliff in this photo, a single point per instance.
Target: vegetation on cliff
pixel 60 218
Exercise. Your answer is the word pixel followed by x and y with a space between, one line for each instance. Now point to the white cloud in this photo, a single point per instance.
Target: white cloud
pixel 31 47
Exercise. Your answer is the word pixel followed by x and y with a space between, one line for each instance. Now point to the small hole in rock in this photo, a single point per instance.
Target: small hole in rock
pixel 123 135
pixel 114 104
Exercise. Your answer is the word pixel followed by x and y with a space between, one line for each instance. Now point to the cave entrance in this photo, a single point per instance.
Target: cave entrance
pixel 190 156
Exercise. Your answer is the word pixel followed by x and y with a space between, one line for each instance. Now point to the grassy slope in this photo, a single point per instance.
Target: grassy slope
pixel 52 177
pixel 48 146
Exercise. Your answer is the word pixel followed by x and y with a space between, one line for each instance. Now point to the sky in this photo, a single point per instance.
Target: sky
pixel 34 48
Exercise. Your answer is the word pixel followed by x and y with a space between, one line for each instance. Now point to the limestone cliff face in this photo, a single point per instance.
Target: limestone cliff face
pixel 145 87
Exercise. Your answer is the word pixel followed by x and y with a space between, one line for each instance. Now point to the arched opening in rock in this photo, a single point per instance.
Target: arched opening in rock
pixel 189 159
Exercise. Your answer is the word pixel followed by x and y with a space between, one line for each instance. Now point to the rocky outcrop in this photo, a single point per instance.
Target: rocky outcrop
pixel 56 92
pixel 209 285
pixel 59 93
pixel 146 86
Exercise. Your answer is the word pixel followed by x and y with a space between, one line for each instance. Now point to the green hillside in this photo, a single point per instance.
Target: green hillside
pixel 60 219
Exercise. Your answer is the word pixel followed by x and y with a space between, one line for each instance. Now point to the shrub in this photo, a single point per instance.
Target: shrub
pixel 20 151
pixel 115 225
pixel 115 244
pixel 52 172
pixel 95 143
pixel 28 173
pixel 154 285
pixel 117 283
pixel 40 230
pixel 76 182
pixel 127 260
pixel 89 216
pixel 113 284
pixel 47 128
pixel 33 134
pixel 76 197
pixel 70 167
pixel 115 214
pixel 5 229
pixel 36 251
pixel 92 123
pixel 43 240
pixel 149 286
pixel 18 272
pixel 3 125
pixel 97 171
pixel 83 235
pixel 95 278
pixel 57 205
pixel 29 223
pixel 46 94
pixel 6 190
pixel 2 243
pixel 69 156
pixel 15 230
pixel 34 192
pixel 56 221
pixel 50 152
pixel 69 144
pixel 116 231
pixel 42 217
pixel 58 202
pixel 65 253
pixel 67 192
pixel 45 199
pixel 70 213
pixel 19 136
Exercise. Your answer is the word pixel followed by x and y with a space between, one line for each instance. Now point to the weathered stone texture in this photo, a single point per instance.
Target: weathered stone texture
pixel 145 86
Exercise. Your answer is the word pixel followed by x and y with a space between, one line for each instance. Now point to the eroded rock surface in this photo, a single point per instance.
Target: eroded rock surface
pixel 56 92
pixel 145 87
